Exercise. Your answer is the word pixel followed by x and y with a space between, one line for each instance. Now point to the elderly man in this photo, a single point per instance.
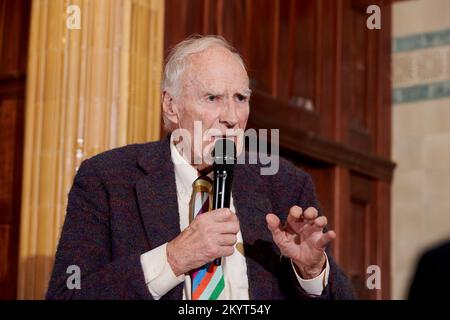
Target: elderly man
pixel 134 227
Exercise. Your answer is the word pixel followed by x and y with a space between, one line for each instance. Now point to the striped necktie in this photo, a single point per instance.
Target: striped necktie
pixel 207 281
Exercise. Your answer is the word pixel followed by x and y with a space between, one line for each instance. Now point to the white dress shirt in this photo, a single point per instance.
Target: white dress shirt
pixel 158 274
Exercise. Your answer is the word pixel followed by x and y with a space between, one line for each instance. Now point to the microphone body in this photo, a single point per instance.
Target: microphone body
pixel 223 179
pixel 224 155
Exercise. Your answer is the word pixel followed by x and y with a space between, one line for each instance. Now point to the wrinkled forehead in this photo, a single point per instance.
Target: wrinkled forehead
pixel 215 69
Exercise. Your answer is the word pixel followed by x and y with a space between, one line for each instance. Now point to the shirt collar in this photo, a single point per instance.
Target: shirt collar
pixel 185 173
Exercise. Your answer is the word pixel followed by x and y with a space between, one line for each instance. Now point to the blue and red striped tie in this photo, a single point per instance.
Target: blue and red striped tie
pixel 207 281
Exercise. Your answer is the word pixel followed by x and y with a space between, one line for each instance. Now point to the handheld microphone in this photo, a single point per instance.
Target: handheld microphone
pixel 224 155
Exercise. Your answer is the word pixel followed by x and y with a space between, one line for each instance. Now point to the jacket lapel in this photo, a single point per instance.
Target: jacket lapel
pixel 157 199
pixel 252 204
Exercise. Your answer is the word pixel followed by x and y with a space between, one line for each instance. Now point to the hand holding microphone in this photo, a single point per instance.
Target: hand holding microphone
pixel 213 234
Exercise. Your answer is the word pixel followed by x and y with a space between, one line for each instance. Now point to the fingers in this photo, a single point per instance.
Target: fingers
pixel 297 215
pixel 310 214
pixel 321 222
pixel 317 226
pixel 273 224
pixel 294 220
pixel 299 221
pixel 229 227
pixel 325 239
pixel 225 251
pixel 222 215
pixel 220 221
pixel 295 212
pixel 227 240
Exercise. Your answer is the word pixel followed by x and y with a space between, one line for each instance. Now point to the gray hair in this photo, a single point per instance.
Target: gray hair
pixel 177 59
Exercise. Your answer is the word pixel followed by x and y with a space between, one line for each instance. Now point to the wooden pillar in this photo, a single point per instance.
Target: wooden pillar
pixel 88 90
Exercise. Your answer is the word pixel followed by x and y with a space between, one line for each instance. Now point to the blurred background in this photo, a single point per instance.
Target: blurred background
pixel 365 111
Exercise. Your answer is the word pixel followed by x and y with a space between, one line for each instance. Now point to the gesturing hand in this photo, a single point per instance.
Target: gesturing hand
pixel 302 239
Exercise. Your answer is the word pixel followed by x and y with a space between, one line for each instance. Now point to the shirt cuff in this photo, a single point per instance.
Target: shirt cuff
pixel 316 285
pixel 158 274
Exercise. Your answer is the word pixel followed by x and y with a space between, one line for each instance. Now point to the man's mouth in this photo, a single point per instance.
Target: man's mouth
pixel 232 137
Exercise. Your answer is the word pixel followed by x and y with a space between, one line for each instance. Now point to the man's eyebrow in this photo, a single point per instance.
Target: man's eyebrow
pixel 246 92
pixel 212 93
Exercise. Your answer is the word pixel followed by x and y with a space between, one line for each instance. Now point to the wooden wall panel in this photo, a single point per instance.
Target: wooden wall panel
pixel 263 55
pixel 14 23
pixel 359 236
pixel 233 21
pixel 304 40
pixel 361 69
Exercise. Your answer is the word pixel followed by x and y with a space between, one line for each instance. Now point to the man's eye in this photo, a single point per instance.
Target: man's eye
pixel 211 98
pixel 241 98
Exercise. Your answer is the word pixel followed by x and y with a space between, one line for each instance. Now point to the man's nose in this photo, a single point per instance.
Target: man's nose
pixel 229 115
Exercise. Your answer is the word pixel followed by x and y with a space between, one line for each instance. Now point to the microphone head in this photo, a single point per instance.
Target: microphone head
pixel 224 153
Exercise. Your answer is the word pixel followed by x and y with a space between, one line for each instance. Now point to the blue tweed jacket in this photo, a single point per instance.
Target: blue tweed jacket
pixel 123 203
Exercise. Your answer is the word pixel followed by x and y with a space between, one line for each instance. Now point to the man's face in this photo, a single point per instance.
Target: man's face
pixel 214 91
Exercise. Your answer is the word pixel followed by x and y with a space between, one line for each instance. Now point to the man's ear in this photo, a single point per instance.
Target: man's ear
pixel 170 107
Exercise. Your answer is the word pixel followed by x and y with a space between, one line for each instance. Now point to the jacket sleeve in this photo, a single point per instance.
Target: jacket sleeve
pixel 85 244
pixel 338 287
